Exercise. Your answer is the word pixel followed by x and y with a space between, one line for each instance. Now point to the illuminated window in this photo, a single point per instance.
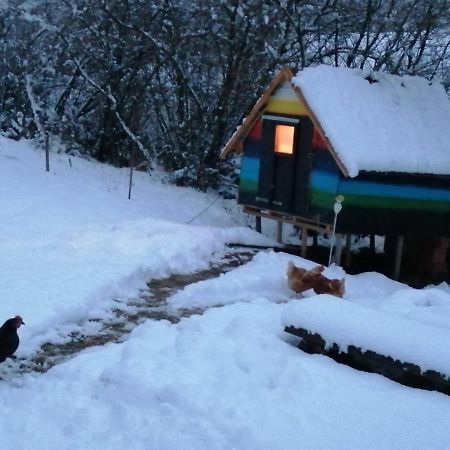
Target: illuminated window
pixel 284 139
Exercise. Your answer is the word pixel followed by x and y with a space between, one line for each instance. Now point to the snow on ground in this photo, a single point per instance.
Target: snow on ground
pixel 71 243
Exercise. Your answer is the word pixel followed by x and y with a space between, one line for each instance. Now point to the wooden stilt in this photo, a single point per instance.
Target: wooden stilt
pixel 258 224
pixel 304 242
pixel 372 244
pixel 279 231
pixel 338 249
pixel 398 257
pixel 348 250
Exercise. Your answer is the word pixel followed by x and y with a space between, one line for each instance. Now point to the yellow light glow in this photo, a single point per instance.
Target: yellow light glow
pixel 284 139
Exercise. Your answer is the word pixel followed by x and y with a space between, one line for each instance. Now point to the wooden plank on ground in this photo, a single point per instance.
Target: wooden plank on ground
pixel 405 373
pixel 409 350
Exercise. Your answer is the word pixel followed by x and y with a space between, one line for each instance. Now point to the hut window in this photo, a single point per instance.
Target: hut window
pixel 284 139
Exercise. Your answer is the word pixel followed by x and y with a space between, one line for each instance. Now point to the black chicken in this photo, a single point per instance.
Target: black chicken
pixel 9 339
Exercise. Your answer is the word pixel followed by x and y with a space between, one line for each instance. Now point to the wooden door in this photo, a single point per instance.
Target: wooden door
pixel 280 187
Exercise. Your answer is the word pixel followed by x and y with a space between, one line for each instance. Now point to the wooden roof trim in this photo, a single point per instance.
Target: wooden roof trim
pixel 235 142
pixel 317 124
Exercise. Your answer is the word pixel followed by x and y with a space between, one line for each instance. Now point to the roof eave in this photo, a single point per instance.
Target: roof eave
pixel 235 144
pixel 236 140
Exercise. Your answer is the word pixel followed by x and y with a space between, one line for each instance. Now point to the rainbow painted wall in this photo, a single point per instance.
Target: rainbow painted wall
pixel 380 203
pixel 250 165
pixel 383 203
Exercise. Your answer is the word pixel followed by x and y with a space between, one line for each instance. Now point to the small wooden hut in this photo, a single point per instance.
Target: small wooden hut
pixel 381 141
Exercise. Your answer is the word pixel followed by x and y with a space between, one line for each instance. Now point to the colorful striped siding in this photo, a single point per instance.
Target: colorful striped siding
pixel 324 186
pixel 249 174
pixel 393 196
pixel 404 191
pixel 376 202
pixel 325 181
pixel 250 163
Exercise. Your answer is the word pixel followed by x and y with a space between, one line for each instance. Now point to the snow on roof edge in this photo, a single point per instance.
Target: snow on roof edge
pixel 380 122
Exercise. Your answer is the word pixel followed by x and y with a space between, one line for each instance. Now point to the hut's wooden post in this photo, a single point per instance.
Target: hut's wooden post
pixel 304 242
pixel 279 231
pixel 398 257
pixel 372 244
pixel 348 250
pixel 258 224
pixel 315 240
pixel 338 249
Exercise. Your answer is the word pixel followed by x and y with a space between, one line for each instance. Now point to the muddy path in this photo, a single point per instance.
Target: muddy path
pixel 150 304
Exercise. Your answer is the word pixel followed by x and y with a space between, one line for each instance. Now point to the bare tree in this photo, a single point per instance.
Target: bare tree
pixel 168 81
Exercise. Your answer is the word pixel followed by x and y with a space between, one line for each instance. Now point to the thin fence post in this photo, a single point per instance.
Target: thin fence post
pixel 131 171
pixel 47 152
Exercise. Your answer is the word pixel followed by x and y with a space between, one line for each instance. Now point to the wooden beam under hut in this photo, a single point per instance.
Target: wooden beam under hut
pixel 299 221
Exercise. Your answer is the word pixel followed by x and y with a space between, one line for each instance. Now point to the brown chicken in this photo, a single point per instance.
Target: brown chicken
pixel 334 287
pixel 300 280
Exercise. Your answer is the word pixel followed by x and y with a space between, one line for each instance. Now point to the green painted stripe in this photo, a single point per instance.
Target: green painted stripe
pixel 384 189
pixel 248 185
pixel 322 199
pixel 326 200
pixel 396 203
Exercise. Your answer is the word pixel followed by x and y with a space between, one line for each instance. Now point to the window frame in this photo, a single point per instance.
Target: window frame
pixel 276 120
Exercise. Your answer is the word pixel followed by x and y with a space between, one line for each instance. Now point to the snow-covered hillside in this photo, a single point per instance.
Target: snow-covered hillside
pixel 72 246
pixel 71 241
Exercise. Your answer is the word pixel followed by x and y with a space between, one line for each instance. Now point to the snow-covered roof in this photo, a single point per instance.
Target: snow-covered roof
pixel 380 122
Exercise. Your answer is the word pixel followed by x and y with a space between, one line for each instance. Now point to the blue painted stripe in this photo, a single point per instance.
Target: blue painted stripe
pixel 250 168
pixel 324 181
pixel 358 187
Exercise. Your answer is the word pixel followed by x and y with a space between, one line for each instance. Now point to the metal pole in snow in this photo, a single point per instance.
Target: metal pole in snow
pixel 47 152
pixel 131 171
pixel 337 209
pixel 131 182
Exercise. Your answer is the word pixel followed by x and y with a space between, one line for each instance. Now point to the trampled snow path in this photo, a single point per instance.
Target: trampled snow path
pixel 150 304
